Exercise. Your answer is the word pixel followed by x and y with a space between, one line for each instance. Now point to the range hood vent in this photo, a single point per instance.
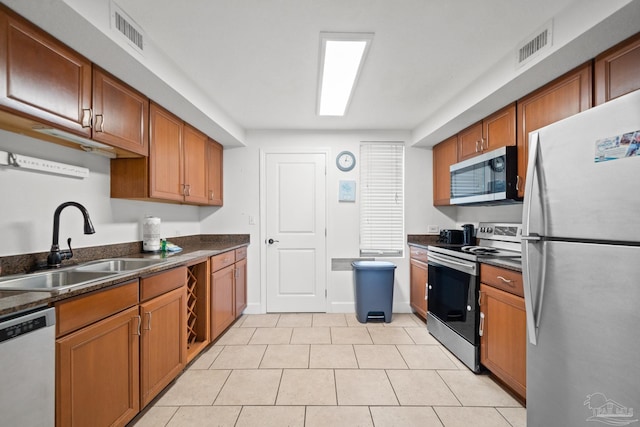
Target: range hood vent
pixel 126 28
pixel 535 45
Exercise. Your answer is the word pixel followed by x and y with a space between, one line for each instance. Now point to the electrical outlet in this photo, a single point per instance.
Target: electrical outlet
pixel 433 229
pixel 252 220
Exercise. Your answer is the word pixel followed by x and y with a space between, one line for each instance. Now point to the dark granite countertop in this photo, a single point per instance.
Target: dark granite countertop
pixel 422 240
pixel 194 249
pixel 508 263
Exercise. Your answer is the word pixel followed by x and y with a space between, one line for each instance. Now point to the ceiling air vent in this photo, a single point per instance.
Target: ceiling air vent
pixel 126 28
pixel 535 45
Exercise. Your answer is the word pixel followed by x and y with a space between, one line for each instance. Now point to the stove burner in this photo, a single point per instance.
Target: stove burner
pixel 479 250
pixel 490 252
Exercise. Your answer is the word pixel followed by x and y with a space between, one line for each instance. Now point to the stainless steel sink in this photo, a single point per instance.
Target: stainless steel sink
pixel 66 279
pixel 52 281
pixel 118 265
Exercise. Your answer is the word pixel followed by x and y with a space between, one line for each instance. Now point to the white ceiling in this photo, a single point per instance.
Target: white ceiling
pixel 259 59
pixel 435 66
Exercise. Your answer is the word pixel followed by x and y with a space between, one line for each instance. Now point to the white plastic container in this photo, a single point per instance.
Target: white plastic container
pixel 151 234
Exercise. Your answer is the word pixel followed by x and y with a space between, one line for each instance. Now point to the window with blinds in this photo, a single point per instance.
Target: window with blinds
pixel 381 198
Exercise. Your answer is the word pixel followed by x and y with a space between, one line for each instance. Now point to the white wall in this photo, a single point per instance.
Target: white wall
pixel 242 201
pixel 28 200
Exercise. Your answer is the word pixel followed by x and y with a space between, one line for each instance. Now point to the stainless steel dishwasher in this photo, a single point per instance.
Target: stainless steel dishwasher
pixel 27 368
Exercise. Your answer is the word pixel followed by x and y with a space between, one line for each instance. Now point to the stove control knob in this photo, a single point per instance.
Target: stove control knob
pixel 489 229
pixel 468 308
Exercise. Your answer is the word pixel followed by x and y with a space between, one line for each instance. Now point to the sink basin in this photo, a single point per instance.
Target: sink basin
pixel 118 265
pixel 63 280
pixel 52 281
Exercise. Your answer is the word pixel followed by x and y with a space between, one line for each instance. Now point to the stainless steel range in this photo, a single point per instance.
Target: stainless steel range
pixel 453 284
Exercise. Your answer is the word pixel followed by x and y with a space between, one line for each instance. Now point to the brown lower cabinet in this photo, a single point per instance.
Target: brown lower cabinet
pixel 163 342
pixel 503 340
pixel 222 303
pixel 117 348
pixel 228 289
pixel 419 271
pixel 97 366
pixel 114 354
pixel 240 278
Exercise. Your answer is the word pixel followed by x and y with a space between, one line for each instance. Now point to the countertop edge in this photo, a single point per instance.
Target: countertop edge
pixel 16 301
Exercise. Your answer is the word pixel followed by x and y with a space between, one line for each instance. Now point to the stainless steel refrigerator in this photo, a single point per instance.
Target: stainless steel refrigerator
pixel 581 268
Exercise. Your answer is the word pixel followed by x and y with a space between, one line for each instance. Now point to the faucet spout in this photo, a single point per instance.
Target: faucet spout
pixel 55 254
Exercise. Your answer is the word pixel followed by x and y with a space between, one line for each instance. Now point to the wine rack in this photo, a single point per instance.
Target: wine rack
pixel 197 308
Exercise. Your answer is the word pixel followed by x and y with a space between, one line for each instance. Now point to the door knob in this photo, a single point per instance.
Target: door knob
pixel 271 241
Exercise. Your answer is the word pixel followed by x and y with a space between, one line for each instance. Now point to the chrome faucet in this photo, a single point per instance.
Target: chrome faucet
pixel 55 254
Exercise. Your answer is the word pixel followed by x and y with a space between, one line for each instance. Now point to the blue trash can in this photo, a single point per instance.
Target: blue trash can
pixel 373 282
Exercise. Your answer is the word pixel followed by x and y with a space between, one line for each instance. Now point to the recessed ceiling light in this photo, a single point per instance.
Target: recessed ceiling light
pixel 341 59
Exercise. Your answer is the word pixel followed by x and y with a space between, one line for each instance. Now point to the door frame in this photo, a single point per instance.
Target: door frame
pixel 263 216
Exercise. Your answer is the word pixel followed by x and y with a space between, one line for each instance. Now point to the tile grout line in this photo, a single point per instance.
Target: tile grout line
pixel 449 387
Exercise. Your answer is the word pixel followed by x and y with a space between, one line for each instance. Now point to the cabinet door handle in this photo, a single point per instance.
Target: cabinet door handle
pixel 517 182
pixel 148 313
pixel 477 146
pixel 426 291
pixel 188 189
pixel 87 116
pixel 139 325
pixel 507 281
pixel 101 127
pixel 210 195
pixel 481 327
pixel 482 146
pixel 479 298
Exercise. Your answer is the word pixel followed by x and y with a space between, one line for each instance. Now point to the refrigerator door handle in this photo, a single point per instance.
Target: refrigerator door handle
pixel 532 321
pixel 528 185
pixel 527 240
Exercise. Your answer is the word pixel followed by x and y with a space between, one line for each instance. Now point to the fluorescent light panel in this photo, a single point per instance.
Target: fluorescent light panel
pixel 341 59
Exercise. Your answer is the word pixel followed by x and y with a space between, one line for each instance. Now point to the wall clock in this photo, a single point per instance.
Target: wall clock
pixel 346 161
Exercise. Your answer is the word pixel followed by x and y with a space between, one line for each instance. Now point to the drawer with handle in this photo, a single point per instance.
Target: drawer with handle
pixel 418 254
pixel 502 278
pixel 222 260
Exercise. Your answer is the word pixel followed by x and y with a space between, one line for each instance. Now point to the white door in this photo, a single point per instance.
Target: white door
pixel 295 199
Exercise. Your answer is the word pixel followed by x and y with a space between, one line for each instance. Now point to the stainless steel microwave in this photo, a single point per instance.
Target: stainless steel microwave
pixel 489 178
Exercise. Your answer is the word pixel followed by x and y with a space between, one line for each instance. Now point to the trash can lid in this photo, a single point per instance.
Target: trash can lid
pixel 373 265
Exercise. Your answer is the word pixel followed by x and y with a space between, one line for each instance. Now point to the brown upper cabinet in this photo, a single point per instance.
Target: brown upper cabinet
pixel 179 167
pixel 120 114
pixel 617 71
pixel 166 162
pixel 444 155
pixel 41 78
pixel 497 130
pixel 195 155
pixel 46 83
pixel 561 98
pixel 214 173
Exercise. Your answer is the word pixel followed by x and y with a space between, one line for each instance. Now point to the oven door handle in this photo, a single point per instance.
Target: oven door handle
pixel 452 263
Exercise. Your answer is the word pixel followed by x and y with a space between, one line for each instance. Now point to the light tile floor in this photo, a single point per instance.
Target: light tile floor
pixel 330 370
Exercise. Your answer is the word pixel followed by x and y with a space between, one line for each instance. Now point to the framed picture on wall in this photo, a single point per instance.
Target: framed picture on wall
pixel 347 191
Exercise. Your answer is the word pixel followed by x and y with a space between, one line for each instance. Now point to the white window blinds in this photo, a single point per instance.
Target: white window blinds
pixel 381 198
